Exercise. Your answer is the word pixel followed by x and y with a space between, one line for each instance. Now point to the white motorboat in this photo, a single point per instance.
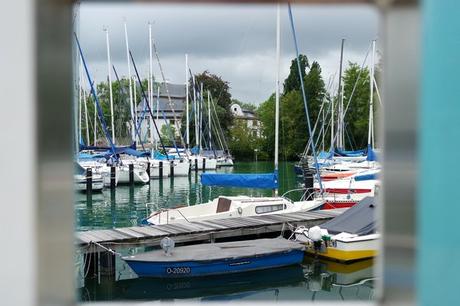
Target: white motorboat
pixel 140 175
pixel 231 207
pixel 202 162
pixel 348 237
pixel 81 180
pixel 224 161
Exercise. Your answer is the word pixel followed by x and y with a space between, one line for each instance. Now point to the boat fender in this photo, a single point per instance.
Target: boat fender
pixel 167 244
pixel 239 210
pixel 315 233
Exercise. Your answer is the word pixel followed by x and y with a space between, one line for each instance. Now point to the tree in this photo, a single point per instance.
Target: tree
pixel 293 122
pixel 221 98
pixel 243 141
pixel 292 82
pixel 356 118
pixel 167 133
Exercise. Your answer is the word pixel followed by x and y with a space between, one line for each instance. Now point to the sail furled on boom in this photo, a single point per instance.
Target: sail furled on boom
pixel 257 180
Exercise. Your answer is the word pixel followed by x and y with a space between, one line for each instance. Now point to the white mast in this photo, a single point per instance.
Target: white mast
pixel 201 116
pixel 80 89
pixel 196 112
pixel 95 124
pixel 342 121
pixel 109 68
pixel 209 121
pixel 135 103
pixel 150 81
pixel 277 89
pixel 187 128
pixel 133 132
pixel 340 101
pixel 86 118
pixel 371 101
pixel 332 124
pixel 158 111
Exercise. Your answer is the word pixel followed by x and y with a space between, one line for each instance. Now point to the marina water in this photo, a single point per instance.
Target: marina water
pixel 129 205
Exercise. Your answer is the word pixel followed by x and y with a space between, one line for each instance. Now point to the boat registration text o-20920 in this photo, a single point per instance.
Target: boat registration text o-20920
pixel 178 270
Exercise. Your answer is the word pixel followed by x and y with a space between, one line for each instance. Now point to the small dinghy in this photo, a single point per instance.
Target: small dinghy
pixel 216 258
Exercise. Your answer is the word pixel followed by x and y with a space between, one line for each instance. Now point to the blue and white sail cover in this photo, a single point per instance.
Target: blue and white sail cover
pixel 245 180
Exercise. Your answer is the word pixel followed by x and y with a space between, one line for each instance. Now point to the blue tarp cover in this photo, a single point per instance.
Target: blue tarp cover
pixel 325 155
pixel 371 156
pixel 259 180
pixel 350 153
pixel 366 177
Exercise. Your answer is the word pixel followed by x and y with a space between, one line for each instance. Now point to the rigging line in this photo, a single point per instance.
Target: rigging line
pixel 354 87
pixel 377 91
pixel 218 124
pixel 215 125
pixel 93 91
pixel 143 113
pixel 145 97
pixel 171 105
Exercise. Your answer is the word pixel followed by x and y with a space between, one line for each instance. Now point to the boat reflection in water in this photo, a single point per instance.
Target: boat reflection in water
pixel 314 280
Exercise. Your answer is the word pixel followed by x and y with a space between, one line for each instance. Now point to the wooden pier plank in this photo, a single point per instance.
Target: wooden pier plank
pixel 202 230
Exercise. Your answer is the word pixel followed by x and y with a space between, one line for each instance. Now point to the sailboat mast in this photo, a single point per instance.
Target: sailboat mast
pixel 158 112
pixel 371 101
pixel 209 121
pixel 86 117
pixel 133 132
pixel 277 89
pixel 109 67
pixel 187 123
pixel 340 100
pixel 201 116
pixel 150 83
pixel 196 111
pixel 80 89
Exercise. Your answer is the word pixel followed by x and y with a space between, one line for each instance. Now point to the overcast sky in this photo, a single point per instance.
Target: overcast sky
pixel 236 42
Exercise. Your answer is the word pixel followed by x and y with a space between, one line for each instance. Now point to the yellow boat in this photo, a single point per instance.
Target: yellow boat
pixel 349 237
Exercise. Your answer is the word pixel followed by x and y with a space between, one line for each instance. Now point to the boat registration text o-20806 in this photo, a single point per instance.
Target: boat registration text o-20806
pixel 178 270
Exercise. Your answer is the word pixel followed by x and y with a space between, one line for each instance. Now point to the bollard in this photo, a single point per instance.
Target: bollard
pixel 160 170
pixel 196 164
pixel 204 163
pixel 148 168
pixel 89 180
pixel 113 177
pixel 171 169
pixel 131 174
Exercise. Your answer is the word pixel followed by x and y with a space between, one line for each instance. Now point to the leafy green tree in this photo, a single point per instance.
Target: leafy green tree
pixel 167 134
pixel 293 123
pixel 356 118
pixel 292 82
pixel 243 142
pixel 221 97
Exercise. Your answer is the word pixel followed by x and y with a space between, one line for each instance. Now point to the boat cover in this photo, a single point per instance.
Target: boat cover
pixel 350 153
pixel 366 177
pixel 371 156
pixel 257 180
pixel 220 251
pixel 359 219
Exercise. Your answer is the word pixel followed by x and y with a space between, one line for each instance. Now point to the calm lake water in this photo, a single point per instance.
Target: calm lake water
pixel 128 206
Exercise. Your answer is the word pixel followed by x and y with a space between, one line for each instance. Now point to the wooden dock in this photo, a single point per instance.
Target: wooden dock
pixel 232 228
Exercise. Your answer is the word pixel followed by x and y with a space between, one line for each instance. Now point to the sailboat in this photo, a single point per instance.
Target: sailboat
pixel 241 206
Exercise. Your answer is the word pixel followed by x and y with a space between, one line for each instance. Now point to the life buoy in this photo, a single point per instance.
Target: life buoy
pixel 239 210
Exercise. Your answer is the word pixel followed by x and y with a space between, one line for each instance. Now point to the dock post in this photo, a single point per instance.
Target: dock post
pixel 131 174
pixel 204 163
pixel 196 164
pixel 171 169
pixel 89 180
pixel 160 170
pixel 107 264
pixel 148 168
pixel 91 265
pixel 113 176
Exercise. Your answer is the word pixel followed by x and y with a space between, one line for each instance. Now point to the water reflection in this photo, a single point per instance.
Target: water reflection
pixel 314 280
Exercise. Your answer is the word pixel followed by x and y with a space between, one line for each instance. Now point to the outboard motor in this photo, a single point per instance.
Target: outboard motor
pixel 308 179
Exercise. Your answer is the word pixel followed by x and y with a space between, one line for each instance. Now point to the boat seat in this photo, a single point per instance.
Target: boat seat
pixel 223 205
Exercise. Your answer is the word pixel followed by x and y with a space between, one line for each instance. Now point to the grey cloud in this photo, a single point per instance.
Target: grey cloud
pixel 234 41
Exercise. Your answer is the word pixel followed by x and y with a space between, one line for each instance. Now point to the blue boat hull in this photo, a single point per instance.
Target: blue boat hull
pixel 215 267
